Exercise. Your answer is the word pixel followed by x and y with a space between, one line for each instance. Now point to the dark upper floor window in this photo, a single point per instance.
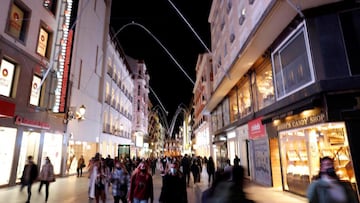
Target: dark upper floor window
pixel 351 30
pixel 50 5
pixel 292 66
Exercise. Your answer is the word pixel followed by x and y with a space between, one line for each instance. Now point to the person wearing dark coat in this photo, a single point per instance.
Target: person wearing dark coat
pixel 29 175
pixel 210 168
pixel 174 186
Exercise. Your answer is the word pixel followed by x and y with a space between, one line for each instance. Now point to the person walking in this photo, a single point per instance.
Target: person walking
pixel 195 170
pixel 141 185
pixel 29 175
pixel 327 187
pixel 46 177
pixel 80 166
pixel 120 180
pixel 185 164
pixel 210 169
pixel 173 189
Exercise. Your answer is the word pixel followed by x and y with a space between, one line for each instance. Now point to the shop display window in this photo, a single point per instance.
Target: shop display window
pixel 301 150
pixel 7 146
pixel 264 86
pixel 244 98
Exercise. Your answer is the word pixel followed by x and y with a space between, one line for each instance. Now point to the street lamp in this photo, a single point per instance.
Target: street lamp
pixel 74 114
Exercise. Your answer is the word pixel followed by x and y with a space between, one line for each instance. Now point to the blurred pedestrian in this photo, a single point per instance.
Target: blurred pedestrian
pixel 186 164
pixel 210 169
pixel 328 188
pixel 195 170
pixel 236 160
pixel 120 180
pixel 141 185
pixel 46 177
pixel 226 188
pixel 29 175
pixel 80 166
pixel 174 186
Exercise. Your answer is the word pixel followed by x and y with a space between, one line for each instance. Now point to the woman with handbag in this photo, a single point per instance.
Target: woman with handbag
pixel 46 177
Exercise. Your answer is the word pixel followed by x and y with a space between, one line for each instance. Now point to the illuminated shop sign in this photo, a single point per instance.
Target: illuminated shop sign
pixel 35 91
pixel 6 77
pixel 16 21
pixel 64 58
pixel 42 42
pixel 31 123
pixel 303 121
pixel 256 128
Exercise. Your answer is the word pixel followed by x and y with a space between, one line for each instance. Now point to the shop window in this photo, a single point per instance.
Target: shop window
pixel 292 64
pixel 351 31
pixel 244 97
pixel 302 148
pixel 264 89
pixel 50 5
pixel 44 42
pixel 18 21
pixel 234 108
pixel 35 91
pixel 7 78
pixel 226 112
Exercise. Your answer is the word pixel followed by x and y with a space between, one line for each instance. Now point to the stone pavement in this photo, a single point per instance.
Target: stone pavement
pixel 71 189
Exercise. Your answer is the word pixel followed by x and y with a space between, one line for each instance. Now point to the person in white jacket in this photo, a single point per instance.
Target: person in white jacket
pixel 46 177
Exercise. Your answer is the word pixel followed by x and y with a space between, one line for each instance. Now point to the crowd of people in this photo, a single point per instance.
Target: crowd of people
pixel 131 180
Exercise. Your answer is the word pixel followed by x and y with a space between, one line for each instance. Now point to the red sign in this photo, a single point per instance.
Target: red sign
pixel 31 123
pixel 256 129
pixel 7 109
pixel 66 72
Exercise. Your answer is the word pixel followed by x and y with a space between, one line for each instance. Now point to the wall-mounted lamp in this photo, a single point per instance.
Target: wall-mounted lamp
pixel 74 114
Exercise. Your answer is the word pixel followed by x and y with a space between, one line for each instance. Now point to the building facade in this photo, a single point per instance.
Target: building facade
pixel 140 120
pixel 31 117
pixel 202 92
pixel 286 88
pixel 86 73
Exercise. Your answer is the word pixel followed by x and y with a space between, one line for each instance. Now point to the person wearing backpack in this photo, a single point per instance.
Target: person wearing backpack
pixel 120 180
pixel 141 185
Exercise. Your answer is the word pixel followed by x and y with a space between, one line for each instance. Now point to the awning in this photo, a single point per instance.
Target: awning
pixel 7 109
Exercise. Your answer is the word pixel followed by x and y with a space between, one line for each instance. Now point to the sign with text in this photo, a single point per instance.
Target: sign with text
pixel 42 42
pixel 256 129
pixel 302 121
pixel 6 77
pixel 35 91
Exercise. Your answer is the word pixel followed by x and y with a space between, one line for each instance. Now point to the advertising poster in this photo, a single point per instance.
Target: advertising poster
pixel 261 156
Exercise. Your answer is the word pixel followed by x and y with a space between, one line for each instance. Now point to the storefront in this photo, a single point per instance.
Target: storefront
pixel 305 138
pixel 243 151
pixel 7 148
pixel 260 153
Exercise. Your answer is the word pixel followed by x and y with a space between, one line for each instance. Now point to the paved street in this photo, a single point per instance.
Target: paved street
pixel 74 190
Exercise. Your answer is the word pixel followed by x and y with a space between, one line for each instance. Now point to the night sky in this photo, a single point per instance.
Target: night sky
pixel 163 21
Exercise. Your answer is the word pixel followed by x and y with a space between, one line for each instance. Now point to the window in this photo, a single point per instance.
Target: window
pixel 44 39
pixel 7 73
pixel 50 5
pixel 264 89
pixel 351 31
pixel 35 91
pixel 18 21
pixel 292 67
pixel 244 97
